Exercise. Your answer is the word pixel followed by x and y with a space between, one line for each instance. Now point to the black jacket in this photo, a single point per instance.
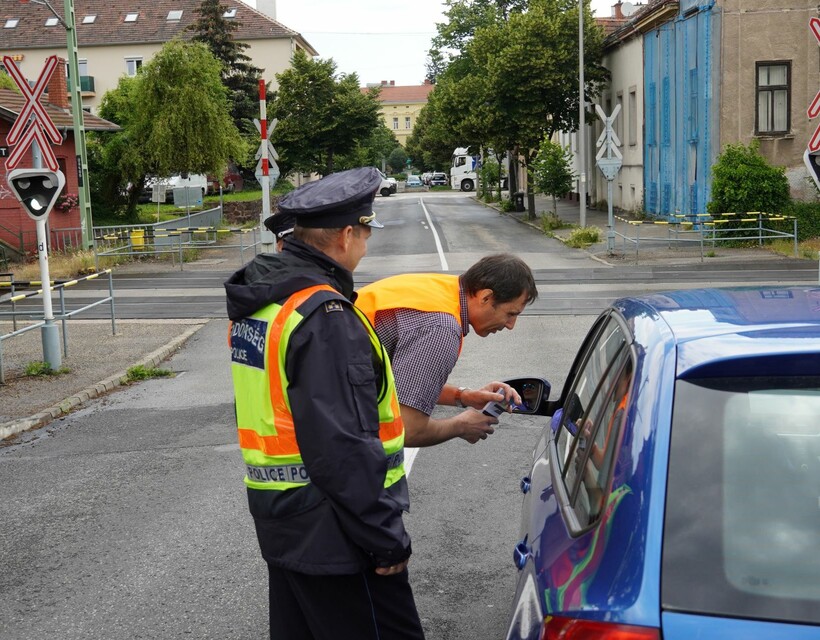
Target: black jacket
pixel 344 520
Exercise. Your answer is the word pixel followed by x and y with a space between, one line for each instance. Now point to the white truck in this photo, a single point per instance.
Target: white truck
pixel 464 169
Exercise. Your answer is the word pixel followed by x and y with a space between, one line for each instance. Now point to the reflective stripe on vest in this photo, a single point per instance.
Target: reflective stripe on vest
pixel 265 423
pixel 431 292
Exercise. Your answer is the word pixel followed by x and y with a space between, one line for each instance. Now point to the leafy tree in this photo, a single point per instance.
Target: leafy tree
pixel 6 82
pixel 514 79
pixel 743 180
pixel 372 152
pixel 552 171
pixel 397 160
pixel 238 74
pixel 320 116
pixel 174 118
pixel 431 143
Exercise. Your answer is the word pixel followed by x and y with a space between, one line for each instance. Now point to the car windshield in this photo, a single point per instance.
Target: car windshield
pixel 743 500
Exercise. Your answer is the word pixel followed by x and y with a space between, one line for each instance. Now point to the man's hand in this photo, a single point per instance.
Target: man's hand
pixel 474 425
pixel 393 569
pixel 490 392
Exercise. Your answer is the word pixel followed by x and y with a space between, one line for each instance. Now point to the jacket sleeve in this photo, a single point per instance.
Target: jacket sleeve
pixel 333 398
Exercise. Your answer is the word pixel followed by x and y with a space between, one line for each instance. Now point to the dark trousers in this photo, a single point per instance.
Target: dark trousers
pixel 364 606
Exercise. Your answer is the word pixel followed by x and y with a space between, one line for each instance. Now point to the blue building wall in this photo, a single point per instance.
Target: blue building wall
pixel 681 62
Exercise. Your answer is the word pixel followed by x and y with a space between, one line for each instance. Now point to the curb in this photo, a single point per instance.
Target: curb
pixel 75 401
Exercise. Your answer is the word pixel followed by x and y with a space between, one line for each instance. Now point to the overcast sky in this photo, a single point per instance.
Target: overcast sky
pixel 378 40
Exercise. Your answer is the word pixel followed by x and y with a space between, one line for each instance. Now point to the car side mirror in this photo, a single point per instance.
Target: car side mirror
pixel 534 392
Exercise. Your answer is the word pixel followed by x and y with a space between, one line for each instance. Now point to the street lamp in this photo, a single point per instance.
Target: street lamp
pixel 77 116
pixel 582 178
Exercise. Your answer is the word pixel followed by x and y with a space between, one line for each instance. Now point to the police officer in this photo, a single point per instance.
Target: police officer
pixel 319 426
pixel 281 226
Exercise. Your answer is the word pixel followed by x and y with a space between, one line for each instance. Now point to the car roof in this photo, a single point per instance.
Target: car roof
pixel 715 325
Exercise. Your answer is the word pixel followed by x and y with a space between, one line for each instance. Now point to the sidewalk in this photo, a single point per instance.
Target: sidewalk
pixel 646 243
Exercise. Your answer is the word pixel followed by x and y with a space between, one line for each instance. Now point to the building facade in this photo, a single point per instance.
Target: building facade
pixel 116 37
pixel 400 106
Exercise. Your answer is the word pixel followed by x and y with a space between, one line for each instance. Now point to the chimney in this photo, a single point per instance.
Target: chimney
pixel 392 83
pixel 58 87
pixel 268 7
pixel 616 10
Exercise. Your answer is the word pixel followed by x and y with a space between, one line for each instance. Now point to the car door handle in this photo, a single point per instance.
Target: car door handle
pixel 521 554
pixel 526 484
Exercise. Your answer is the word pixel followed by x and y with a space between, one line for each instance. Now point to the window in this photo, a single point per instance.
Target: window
pixel 633 116
pixel 89 19
pixel 131 17
pixel 619 121
pixel 11 23
pixel 175 15
pixel 740 529
pixel 773 97
pixel 132 66
pixel 407 122
pixel 395 123
pixel 52 22
pixel 590 423
pixel 230 13
pixel 82 67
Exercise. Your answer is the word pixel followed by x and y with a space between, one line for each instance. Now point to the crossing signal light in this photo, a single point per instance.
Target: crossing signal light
pixel 36 189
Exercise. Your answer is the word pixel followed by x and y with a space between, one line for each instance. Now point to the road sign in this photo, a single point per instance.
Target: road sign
pixel 810 157
pixel 33 123
pixel 609 142
pixel 273 172
pixel 36 189
pixel 609 167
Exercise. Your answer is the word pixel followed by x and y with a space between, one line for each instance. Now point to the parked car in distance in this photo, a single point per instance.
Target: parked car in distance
pixel 673 491
pixel 437 178
pixel 413 181
pixel 387 186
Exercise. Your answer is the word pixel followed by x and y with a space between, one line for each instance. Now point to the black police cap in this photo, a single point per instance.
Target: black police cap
pixel 336 201
pixel 280 224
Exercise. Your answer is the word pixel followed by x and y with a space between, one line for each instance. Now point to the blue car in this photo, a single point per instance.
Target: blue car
pixel 674 491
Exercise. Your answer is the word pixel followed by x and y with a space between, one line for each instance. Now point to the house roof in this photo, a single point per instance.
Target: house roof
pixel 11 103
pixel 109 27
pixel 407 94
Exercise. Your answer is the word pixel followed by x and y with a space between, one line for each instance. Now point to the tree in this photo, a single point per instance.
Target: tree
pixel 743 181
pixel 174 118
pixel 397 160
pixel 552 171
pixel 7 82
pixel 431 143
pixel 320 116
pixel 372 152
pixel 514 80
pixel 238 74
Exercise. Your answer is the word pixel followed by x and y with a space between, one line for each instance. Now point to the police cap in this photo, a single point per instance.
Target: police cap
pixel 336 201
pixel 280 224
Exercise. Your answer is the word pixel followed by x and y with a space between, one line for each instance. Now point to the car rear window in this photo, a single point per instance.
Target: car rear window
pixel 743 500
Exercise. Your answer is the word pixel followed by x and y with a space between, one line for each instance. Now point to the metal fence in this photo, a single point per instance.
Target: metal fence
pixel 708 229
pixel 198 231
pixel 7 280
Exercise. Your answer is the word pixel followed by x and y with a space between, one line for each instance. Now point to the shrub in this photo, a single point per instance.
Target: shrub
pixel 744 181
pixel 808 220
pixel 583 237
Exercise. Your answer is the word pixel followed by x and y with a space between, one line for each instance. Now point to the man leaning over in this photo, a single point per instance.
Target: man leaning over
pixel 319 426
pixel 422 319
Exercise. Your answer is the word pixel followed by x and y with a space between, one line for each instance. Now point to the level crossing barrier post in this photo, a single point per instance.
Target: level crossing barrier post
pixel 111 296
pixel 63 322
pixel 795 237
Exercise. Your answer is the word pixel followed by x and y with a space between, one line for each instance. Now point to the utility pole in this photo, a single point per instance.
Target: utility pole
pixel 84 191
pixel 582 176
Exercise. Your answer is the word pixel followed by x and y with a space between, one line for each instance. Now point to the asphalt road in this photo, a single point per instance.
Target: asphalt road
pixel 128 517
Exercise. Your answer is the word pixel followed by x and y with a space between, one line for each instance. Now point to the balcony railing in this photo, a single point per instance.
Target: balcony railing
pixel 87 84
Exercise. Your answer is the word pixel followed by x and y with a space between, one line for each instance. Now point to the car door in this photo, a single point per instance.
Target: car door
pixel 567 492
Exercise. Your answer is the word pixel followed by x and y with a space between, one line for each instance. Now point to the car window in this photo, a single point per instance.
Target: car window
pixel 742 524
pixel 591 421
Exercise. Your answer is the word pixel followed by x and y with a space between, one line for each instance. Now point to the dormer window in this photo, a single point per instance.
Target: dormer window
pixel 89 19
pixel 230 13
pixel 131 17
pixel 175 15
pixel 11 23
pixel 52 22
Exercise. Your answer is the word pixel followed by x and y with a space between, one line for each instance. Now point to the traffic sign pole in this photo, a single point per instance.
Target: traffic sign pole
pixel 609 165
pixel 268 240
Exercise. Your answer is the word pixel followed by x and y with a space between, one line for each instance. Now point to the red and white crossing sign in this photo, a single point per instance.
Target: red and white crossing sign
pixel 33 124
pixel 810 155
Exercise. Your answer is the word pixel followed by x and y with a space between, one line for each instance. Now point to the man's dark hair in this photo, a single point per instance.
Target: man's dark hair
pixel 508 276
